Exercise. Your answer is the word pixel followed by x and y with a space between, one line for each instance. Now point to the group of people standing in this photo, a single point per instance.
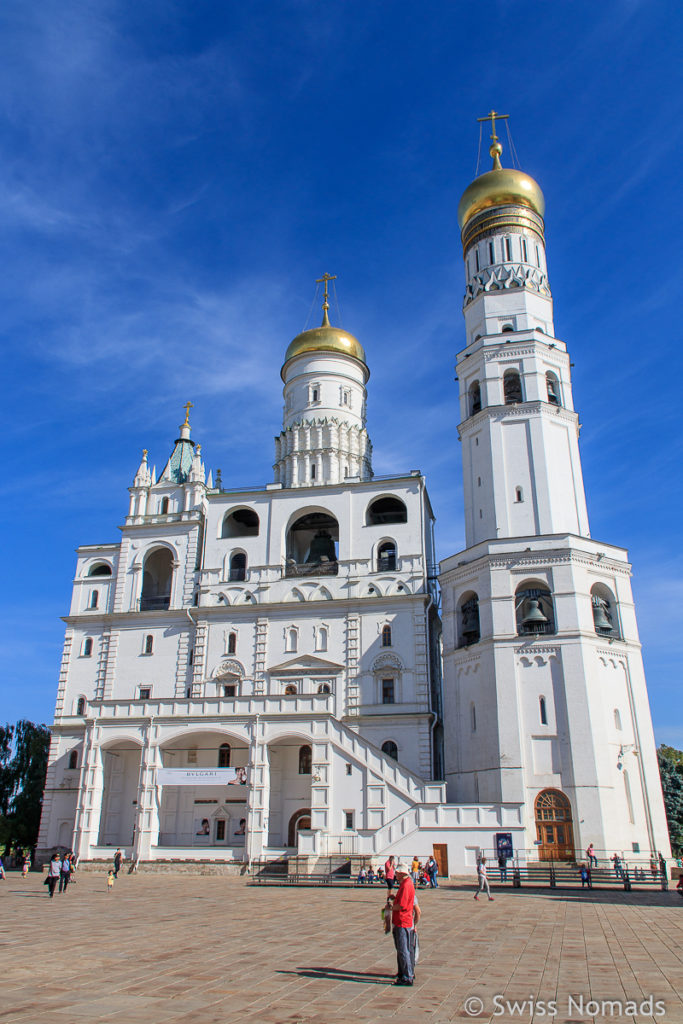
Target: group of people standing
pixel 60 872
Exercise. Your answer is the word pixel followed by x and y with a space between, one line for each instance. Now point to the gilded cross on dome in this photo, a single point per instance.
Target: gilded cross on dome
pixel 495 149
pixel 324 281
pixel 187 407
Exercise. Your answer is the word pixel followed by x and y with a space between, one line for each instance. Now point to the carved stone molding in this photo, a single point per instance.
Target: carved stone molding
pixel 502 278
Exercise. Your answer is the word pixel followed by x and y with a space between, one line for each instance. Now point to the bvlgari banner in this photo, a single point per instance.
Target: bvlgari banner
pixel 202 776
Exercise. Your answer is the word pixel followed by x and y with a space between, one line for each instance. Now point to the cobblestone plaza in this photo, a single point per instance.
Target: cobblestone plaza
pixel 214 949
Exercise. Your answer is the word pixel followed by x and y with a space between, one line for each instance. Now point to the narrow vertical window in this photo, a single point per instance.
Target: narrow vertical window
pixel 348 819
pixel 538 256
pixel 473 718
pixel 224 755
pixel 313 471
pixel 164 506
pixel 388 692
pixel 476 259
pixel 525 254
pixel 491 253
pixel 305 760
pixel 232 643
pixel 519 495
pixel 386 636
pixel 73 759
pixel 87 647
pixel 508 249
pixel 94 598
pixel 149 644
pixel 629 800
pixel 80 706
pixel 544 713
pixel 617 719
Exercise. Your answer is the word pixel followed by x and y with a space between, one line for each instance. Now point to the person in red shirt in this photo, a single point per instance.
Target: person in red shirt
pixel 404 916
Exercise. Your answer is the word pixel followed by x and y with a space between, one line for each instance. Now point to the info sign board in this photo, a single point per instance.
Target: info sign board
pixel 202 776
pixel 504 844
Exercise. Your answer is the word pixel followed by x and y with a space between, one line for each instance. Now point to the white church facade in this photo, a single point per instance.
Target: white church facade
pixel 261 673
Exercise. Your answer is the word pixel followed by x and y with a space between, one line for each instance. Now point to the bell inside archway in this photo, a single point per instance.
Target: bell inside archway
pixel 534 617
pixel 322 548
pixel 600 617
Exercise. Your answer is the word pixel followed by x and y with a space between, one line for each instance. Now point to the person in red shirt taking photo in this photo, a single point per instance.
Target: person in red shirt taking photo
pixel 404 916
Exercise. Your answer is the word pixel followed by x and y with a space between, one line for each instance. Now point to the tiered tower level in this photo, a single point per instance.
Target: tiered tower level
pixel 545 697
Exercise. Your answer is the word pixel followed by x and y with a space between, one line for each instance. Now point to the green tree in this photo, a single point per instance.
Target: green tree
pixel 671 772
pixel 23 764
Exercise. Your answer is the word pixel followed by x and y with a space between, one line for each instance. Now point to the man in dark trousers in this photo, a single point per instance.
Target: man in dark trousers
pixel 404 916
pixel 118 857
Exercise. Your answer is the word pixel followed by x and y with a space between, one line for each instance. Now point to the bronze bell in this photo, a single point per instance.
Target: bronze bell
pixel 600 616
pixel 534 616
pixel 322 546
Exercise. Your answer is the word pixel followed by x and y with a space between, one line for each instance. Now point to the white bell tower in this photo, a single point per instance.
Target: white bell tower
pixel 545 700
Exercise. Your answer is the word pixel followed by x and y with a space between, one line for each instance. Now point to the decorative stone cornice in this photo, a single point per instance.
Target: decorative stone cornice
pixel 503 277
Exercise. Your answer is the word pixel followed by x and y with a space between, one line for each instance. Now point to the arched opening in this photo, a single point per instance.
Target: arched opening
pixel 605 619
pixel 386 636
pixel 386 556
pixel 386 510
pixel 292 640
pixel 475 397
pixel 324 688
pixel 242 522
pixel 469 630
pixel 73 759
pixel 100 569
pixel 534 609
pixel 519 495
pixel 157 576
pixel 232 643
pixel 149 644
pixel 300 820
pixel 87 647
pixel 305 759
pixel 224 755
pixel 312 545
pixel 94 598
pixel 321 639
pixel 553 389
pixel 80 706
pixel 617 719
pixel 238 567
pixel 542 711
pixel 290 690
pixel 390 749
pixel 120 778
pixel 512 387
pixel 554 830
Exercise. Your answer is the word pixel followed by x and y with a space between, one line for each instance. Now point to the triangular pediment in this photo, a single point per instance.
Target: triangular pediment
pixel 308 664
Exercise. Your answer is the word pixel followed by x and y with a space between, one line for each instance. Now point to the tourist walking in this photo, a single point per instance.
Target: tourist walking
pixel 53 872
pixel 592 859
pixel 110 882
pixel 65 873
pixel 433 873
pixel 404 916
pixel 482 879
pixel 390 872
pixel 26 865
pixel 118 857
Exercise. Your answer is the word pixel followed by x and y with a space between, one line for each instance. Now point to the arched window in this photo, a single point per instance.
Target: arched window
pixel 238 567
pixel 390 749
pixel 544 713
pixel 512 387
pixel 232 643
pixel 553 387
pixel 290 690
pixel 73 759
pixel 386 557
pixel 386 510
pixel 534 609
pixel 99 570
pixel 149 644
pixel 469 630
pixel 305 760
pixel 475 397
pixel 312 545
pixel 87 647
pixel 292 640
pixel 243 522
pixel 617 719
pixel 605 618
pixel 164 507
pixel 508 329
pixel 94 598
pixel 519 495
pixel 386 636
pixel 80 706
pixel 473 717
pixel 157 576
pixel 224 755
pixel 324 688
pixel 321 639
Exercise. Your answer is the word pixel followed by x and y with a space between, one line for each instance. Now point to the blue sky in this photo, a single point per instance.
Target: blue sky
pixel 173 177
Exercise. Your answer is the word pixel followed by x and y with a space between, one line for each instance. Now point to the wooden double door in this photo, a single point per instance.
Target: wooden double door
pixel 554 829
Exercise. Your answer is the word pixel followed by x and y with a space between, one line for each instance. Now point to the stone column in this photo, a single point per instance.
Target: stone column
pixel 149 796
pixel 259 792
pixel 91 790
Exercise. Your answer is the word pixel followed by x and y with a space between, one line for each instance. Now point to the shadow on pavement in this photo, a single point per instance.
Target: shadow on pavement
pixel 335 974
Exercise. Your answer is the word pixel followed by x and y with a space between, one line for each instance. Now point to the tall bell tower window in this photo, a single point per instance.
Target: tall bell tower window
pixel 475 397
pixel 512 387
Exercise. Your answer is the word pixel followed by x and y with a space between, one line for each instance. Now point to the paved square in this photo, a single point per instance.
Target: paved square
pixel 209 949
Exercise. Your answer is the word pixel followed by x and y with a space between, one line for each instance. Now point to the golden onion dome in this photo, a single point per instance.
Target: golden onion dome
pixel 325 339
pixel 502 186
